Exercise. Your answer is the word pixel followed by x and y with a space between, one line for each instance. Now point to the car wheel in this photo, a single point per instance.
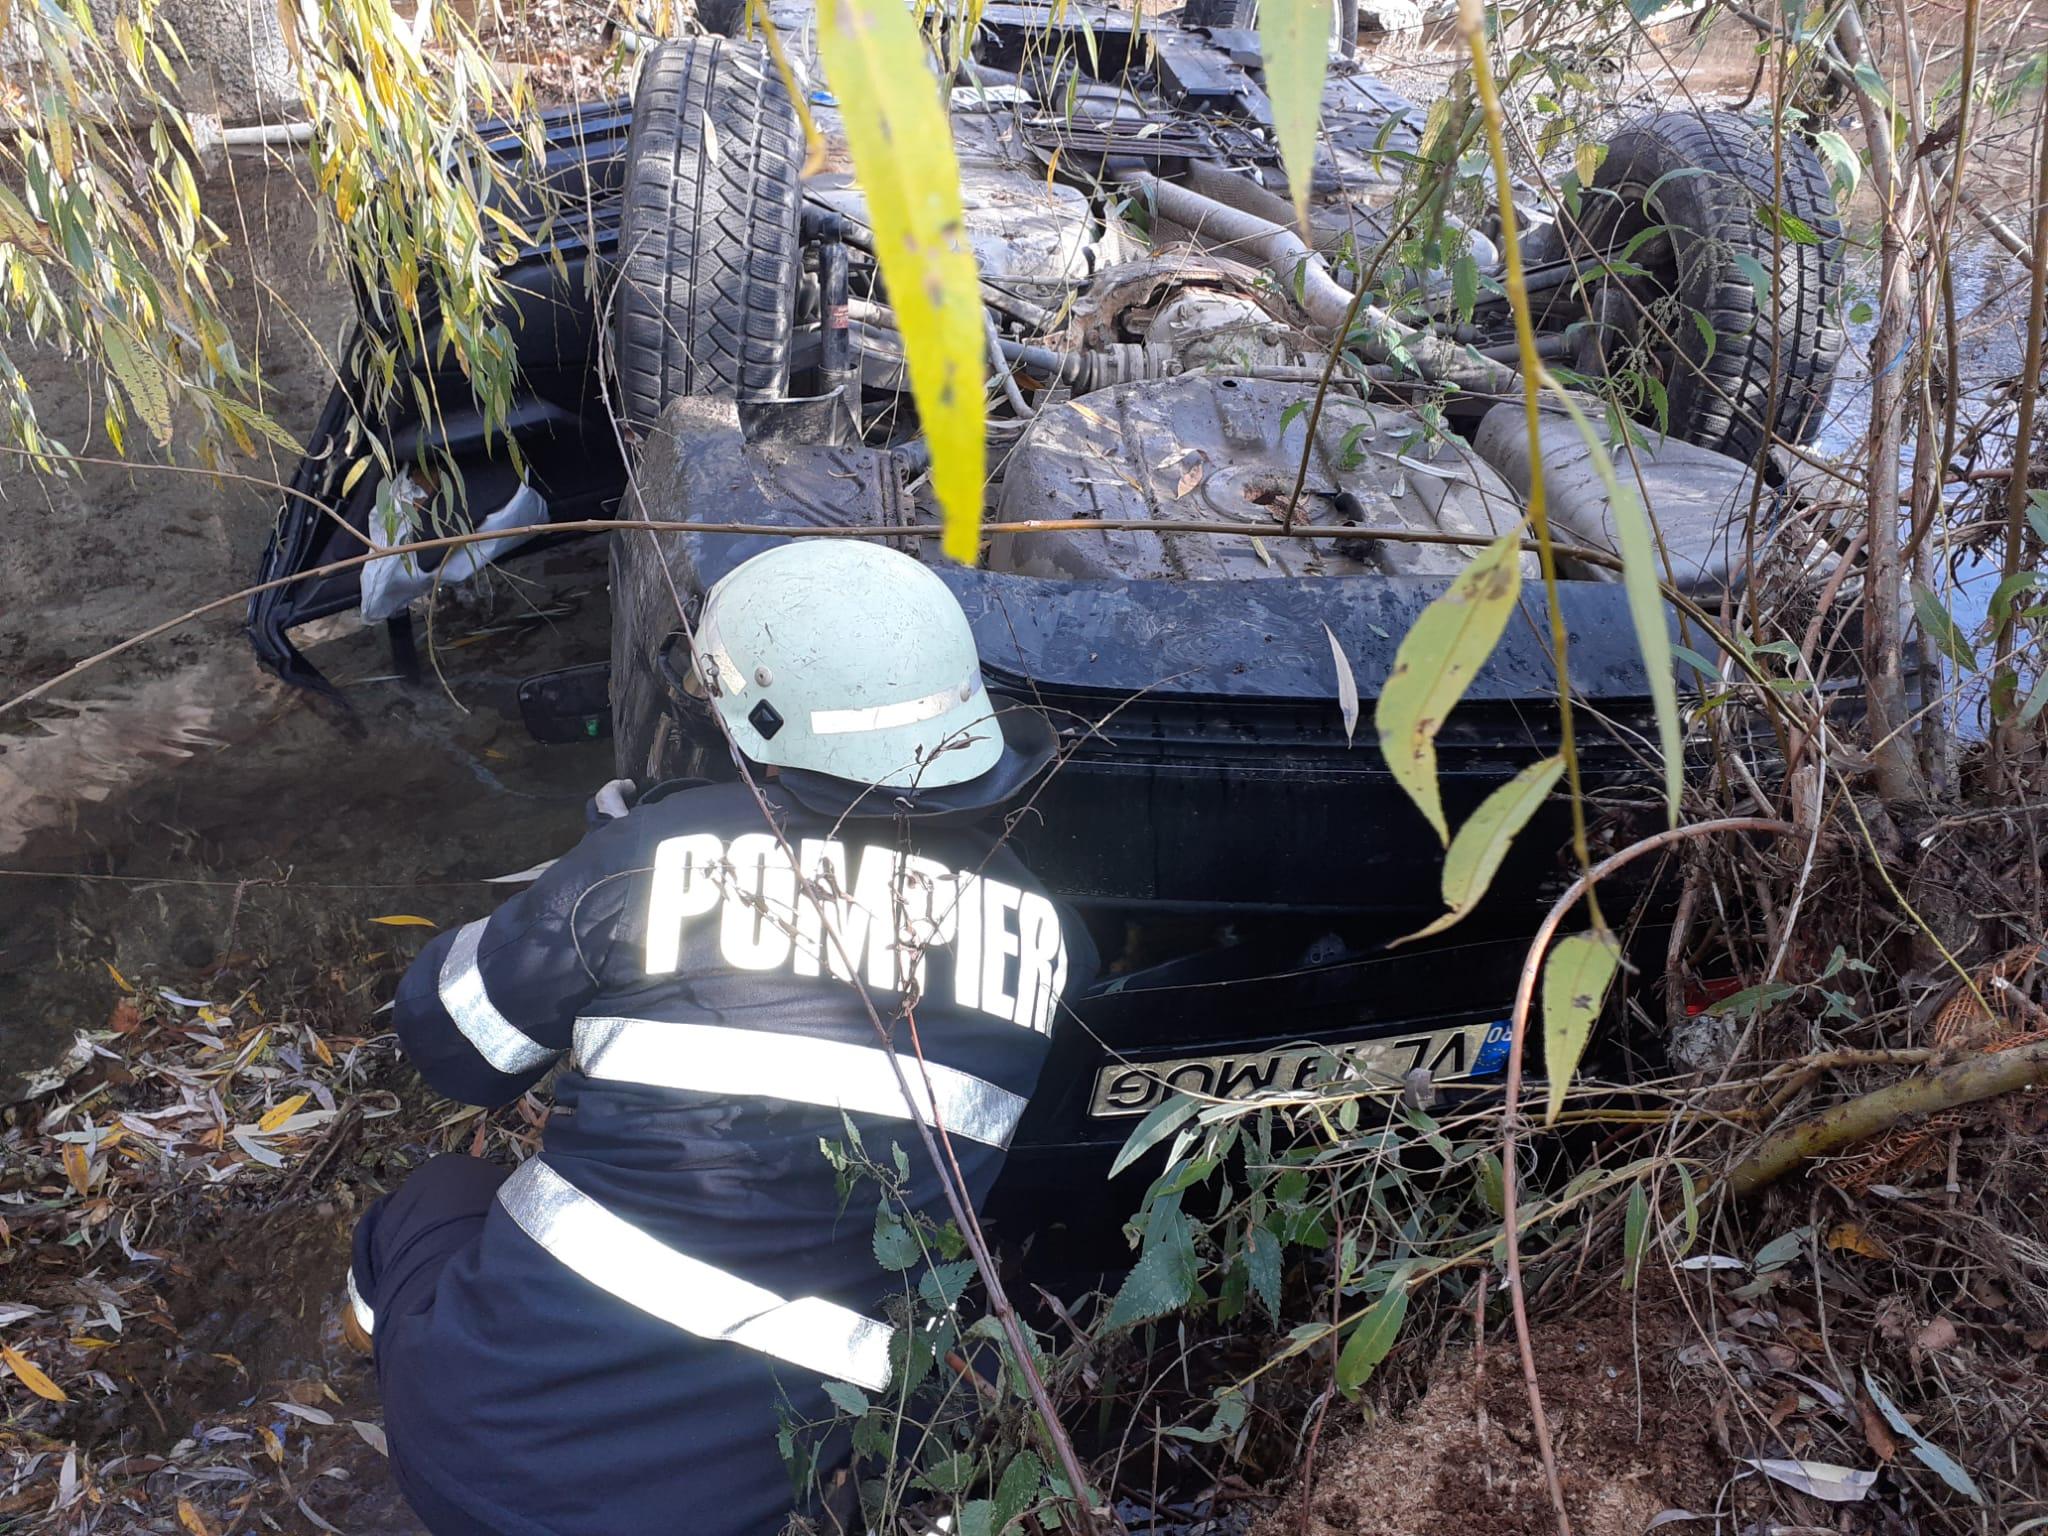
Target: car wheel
pixel 708 232
pixel 1732 306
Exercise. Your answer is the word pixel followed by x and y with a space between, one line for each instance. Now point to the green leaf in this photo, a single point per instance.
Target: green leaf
pixel 1464 285
pixel 2037 514
pixel 1635 1228
pixel 1936 1460
pixel 940 1287
pixel 1689 1193
pixel 1941 629
pixel 1788 225
pixel 1153 1129
pixel 1374 1335
pixel 2037 699
pixel 1782 1250
pixel 1758 274
pixel 142 381
pixel 2008 589
pixel 1262 1267
pixel 902 150
pixel 1697 662
pixel 949 1473
pixel 1225 1421
pixel 1483 841
pixel 1018 1489
pixel 1640 573
pixel 896 1246
pixel 1437 660
pixel 1162 1281
pixel 1842 161
pixel 1706 329
pixel 1294 41
pixel 1489 1179
pixel 977 1518
pixel 1760 996
pixel 1575 982
pixel 847 1398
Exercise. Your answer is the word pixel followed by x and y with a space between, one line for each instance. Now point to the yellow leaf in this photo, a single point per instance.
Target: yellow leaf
pixel 323 1051
pixel 142 380
pixel 1575 981
pixel 119 980
pixel 1483 841
pixel 1439 656
pixel 277 1114
pixel 288 26
pixel 193 1521
pixel 26 1372
pixel 1849 1237
pixel 902 148
pixel 405 920
pixel 1587 160
pixel 78 1167
pixel 271 1443
pixel 1294 40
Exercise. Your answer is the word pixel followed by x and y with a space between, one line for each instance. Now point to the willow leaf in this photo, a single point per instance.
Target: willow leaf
pixel 1483 841
pixel 1294 41
pixel 902 148
pixel 1439 656
pixel 1575 982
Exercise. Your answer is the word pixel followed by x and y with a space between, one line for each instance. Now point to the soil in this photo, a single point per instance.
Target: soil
pixel 1630 1440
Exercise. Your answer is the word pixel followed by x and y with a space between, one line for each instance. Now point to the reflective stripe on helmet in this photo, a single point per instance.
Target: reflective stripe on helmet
pixel 887 717
pixel 365 1315
pixel 715 1058
pixel 496 1038
pixel 617 1257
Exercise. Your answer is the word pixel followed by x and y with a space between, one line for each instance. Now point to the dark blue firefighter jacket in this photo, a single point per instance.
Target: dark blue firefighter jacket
pixel 608 1355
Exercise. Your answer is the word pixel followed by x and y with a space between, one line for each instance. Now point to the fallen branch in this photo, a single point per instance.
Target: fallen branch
pixel 1967 1082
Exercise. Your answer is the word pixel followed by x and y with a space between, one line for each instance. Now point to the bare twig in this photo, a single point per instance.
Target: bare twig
pixel 1525 991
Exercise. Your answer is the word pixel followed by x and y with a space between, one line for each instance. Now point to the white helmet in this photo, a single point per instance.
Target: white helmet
pixel 847 659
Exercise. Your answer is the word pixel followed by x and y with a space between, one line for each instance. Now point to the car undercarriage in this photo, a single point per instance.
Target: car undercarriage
pixel 708 342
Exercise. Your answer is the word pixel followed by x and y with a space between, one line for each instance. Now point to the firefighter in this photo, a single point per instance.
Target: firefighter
pixel 605 1340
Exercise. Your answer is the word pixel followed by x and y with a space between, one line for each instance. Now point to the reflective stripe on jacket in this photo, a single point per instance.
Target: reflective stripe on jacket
pixel 697 967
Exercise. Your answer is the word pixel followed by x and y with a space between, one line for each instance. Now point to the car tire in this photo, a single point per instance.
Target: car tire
pixel 1707 178
pixel 708 246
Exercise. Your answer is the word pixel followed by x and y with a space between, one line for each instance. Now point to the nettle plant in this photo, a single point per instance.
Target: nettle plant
pixel 955 1430
pixel 1297 1236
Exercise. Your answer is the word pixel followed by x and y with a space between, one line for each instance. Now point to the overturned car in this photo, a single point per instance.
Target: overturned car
pixel 1157 335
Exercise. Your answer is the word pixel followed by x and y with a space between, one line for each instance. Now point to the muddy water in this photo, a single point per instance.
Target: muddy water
pixel 176 808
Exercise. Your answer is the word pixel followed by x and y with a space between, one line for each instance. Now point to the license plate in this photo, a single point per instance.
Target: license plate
pixel 1138 1088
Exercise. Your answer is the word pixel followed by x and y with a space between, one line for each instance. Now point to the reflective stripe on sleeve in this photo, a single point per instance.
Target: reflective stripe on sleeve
pixel 617 1257
pixel 714 1058
pixel 497 1039
pixel 362 1309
